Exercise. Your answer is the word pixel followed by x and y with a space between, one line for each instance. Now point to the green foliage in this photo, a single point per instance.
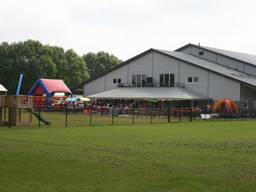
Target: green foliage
pixel 199 156
pixel 100 62
pixel 36 61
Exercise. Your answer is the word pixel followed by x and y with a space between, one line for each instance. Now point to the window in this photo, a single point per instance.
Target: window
pixel 133 80
pixel 167 80
pixel 149 81
pixel 143 80
pixel 161 80
pixel 172 80
pixel 201 53
pixel 139 80
pixel 195 79
pixel 119 81
pixel 190 80
pixel 114 80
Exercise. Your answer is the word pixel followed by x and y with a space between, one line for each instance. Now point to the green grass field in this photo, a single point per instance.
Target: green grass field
pixel 199 156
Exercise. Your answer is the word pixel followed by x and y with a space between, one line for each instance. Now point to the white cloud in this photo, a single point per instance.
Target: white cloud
pixel 126 28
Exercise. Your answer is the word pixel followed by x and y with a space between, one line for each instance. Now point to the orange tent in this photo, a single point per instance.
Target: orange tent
pixel 225 105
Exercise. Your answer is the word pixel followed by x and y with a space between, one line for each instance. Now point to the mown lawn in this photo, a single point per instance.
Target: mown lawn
pixel 198 156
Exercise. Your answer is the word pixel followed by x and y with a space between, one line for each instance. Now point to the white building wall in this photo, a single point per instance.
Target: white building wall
pixel 165 65
pixel 120 73
pixel 94 86
pixel 142 65
pixel 221 87
pixel 153 64
pixel 187 70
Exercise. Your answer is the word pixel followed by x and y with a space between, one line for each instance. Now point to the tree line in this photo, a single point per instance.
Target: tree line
pixel 35 60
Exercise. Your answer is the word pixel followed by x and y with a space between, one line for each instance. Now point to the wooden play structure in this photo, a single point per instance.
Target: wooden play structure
pixel 16 110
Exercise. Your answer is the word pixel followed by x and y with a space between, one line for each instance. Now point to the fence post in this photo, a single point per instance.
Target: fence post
pixel 9 117
pixel 132 114
pixel 66 114
pixel 90 117
pixel 151 116
pixel 112 115
pixel 169 114
pixel 190 114
pixel 179 114
pixel 39 114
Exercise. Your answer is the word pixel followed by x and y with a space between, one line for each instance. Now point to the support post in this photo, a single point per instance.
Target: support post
pixel 190 115
pixel 169 112
pixel 112 119
pixel 1 112
pixel 179 114
pixel 4 114
pixel 90 117
pixel 9 117
pixel 151 113
pixel 39 114
pixel 132 113
pixel 19 115
pixel 66 119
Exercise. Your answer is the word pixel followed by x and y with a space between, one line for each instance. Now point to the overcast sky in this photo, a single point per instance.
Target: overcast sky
pixel 128 27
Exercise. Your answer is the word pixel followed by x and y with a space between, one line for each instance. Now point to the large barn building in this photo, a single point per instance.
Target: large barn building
pixel 190 72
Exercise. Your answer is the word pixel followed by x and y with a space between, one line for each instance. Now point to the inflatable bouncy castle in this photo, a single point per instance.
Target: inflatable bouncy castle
pixel 225 106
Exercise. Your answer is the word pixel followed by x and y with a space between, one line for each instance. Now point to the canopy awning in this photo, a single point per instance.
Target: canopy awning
pixel 2 88
pixel 72 99
pixel 159 93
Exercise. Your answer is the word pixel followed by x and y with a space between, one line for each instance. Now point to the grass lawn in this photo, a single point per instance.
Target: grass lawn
pixel 199 156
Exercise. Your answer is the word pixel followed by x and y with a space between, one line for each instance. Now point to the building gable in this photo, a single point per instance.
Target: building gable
pixel 238 61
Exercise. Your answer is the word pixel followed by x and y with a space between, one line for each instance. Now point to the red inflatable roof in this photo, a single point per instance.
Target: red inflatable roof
pixel 49 86
pixel 55 85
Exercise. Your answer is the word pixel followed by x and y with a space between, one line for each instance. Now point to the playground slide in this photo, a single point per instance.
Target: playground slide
pixel 40 118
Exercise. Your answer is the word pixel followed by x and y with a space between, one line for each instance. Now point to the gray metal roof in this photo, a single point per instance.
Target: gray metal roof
pixel 248 58
pixel 162 93
pixel 242 77
pixel 2 88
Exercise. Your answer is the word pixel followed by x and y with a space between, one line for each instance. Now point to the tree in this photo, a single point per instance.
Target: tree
pixel 100 62
pixel 36 61
pixel 74 69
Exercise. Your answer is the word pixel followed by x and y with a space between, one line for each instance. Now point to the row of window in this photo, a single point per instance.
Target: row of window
pixel 140 80
pixel 165 80
pixel 192 79
pixel 117 81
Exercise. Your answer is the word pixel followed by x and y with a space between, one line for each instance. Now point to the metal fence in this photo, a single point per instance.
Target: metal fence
pixel 118 116
pixel 91 117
